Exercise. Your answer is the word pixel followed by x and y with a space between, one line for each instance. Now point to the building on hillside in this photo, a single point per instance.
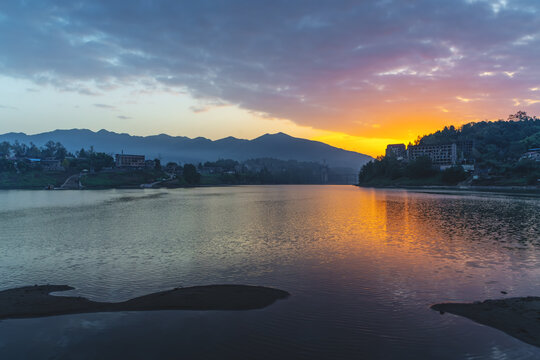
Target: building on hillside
pixel 397 150
pixel 442 155
pixel 130 161
pixel 532 154
pixel 33 162
pixel 51 164
pixel 445 155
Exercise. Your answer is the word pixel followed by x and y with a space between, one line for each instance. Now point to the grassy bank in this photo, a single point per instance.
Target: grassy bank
pixel 121 179
pixel 31 179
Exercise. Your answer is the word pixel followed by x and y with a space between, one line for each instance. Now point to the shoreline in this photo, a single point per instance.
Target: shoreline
pixel 477 188
pixel 510 189
pixel 134 187
pixel 37 301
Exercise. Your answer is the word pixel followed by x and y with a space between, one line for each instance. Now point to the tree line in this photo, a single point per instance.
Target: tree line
pixel 82 159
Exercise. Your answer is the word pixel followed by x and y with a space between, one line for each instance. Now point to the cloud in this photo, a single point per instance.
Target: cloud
pixel 7 107
pixel 105 106
pixel 207 104
pixel 123 117
pixel 319 63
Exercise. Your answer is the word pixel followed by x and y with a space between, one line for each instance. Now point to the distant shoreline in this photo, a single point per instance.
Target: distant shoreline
pixel 471 188
pixel 133 187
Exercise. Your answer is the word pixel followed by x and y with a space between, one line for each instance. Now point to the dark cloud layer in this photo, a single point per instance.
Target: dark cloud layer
pixel 309 61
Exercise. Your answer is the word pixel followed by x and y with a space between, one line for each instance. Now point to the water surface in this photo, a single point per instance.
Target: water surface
pixel 362 265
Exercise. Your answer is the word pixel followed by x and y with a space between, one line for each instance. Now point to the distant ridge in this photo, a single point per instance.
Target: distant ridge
pixel 183 149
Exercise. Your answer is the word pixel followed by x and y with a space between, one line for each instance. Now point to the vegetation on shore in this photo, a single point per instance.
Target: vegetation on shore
pixel 29 167
pixel 131 178
pixel 498 155
pixel 32 179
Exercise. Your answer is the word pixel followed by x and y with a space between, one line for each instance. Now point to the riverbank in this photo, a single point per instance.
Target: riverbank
pixel 134 179
pixel 36 301
pixel 466 188
pixel 31 180
pixel 518 317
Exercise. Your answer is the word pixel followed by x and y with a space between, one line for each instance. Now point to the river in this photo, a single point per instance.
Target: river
pixel 362 266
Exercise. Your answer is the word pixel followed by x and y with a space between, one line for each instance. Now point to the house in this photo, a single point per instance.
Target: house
pixel 532 154
pixel 33 162
pixel 129 161
pixel 397 150
pixel 51 165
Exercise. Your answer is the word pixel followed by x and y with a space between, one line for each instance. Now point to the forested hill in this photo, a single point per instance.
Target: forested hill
pixel 495 142
pixel 499 154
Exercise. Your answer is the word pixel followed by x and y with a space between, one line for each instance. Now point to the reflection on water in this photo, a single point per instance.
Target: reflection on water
pixel 362 266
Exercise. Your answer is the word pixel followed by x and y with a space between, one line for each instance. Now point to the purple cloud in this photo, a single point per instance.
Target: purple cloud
pixel 321 63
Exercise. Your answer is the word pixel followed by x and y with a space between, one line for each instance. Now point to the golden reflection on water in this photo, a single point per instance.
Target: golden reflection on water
pixel 472 240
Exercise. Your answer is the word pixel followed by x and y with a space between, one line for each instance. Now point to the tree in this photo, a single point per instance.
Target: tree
pixel 191 175
pixel 453 175
pixel 19 149
pixel 6 165
pixel 33 151
pixel 157 163
pixel 101 160
pixel 5 148
pixel 82 153
pixel 49 149
pixel 60 152
pixel 421 167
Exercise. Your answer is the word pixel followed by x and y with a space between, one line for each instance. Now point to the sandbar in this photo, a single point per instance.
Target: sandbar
pixel 518 317
pixel 36 301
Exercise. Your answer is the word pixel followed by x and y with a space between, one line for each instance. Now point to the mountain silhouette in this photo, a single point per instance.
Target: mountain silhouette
pixel 187 150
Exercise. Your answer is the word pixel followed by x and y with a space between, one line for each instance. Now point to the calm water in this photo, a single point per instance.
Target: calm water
pixel 363 266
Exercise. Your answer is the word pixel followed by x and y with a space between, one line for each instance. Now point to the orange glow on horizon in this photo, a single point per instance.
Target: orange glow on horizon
pixel 377 136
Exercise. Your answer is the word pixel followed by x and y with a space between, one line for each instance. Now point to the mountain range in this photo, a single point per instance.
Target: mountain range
pixel 187 150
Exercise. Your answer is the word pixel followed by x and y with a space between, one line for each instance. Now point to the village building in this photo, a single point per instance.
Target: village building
pixel 532 154
pixel 51 164
pixel 442 155
pixel 129 161
pixel 397 150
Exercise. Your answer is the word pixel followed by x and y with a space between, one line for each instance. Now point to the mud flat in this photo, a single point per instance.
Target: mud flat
pixel 36 301
pixel 518 317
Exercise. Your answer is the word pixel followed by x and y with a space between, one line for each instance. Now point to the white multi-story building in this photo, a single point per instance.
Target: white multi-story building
pixel 124 160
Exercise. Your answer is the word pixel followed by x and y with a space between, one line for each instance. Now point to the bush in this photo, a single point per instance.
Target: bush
pixel 453 175
pixel 421 167
pixel 191 175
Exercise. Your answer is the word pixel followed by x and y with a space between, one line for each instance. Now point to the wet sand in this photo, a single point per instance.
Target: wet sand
pixel 518 317
pixel 36 301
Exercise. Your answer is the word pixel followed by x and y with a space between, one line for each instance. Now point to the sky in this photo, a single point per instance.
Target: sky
pixel 353 74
